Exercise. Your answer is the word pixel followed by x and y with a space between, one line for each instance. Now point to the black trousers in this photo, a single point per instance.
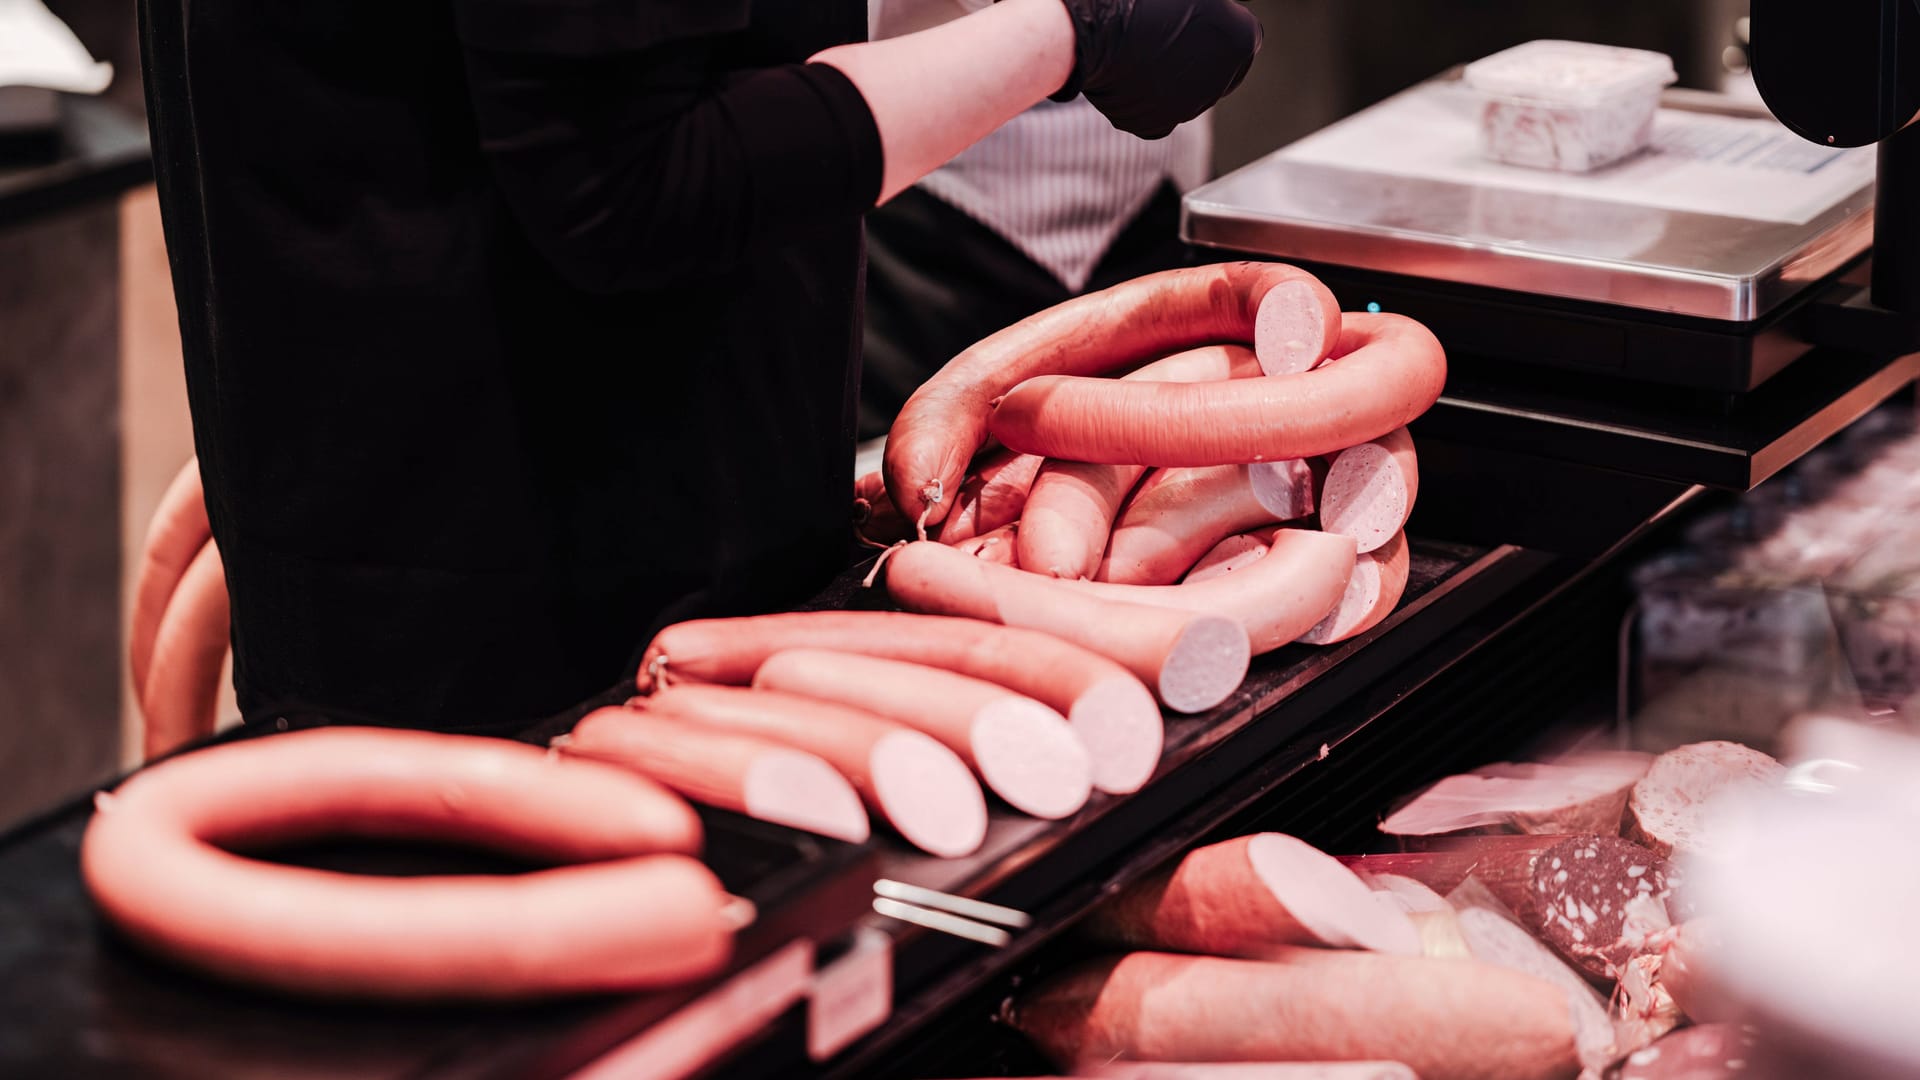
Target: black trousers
pixel 938 281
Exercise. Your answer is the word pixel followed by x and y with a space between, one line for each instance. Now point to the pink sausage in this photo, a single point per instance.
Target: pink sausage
pixel 911 779
pixel 177 533
pixel 1025 752
pixel 1393 373
pixel 993 496
pixel 1289 316
pixel 189 655
pixel 1192 662
pixel 159 861
pixel 1378 582
pixel 1177 516
pixel 1233 553
pixel 1284 595
pixel 999 546
pixel 1370 490
pixel 1072 505
pixel 1112 711
pixel 746 774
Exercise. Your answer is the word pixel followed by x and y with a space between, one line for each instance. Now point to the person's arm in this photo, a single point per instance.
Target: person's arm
pixel 936 92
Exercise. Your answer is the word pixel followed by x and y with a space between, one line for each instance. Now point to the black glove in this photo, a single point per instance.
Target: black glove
pixel 1150 65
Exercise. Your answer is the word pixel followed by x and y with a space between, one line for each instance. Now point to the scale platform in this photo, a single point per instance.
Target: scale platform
pixel 1667 318
pixel 1685 265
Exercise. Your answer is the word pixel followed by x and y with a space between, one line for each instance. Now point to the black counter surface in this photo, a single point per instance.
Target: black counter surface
pixel 77 1002
pixel 98 151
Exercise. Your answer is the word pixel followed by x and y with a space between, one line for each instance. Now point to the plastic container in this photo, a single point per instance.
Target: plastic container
pixel 1567 105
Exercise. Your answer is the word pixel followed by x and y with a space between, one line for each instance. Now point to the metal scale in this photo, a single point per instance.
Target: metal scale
pixel 1701 314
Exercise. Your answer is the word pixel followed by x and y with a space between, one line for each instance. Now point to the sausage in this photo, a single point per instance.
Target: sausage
pixel 1724 1051
pixel 1445 1019
pixel 1374 589
pixel 1370 490
pixel 992 496
pixel 189 656
pixel 1392 371
pixel 874 516
pixel 1670 809
pixel 999 546
pixel 1192 662
pixel 1176 517
pixel 1251 1070
pixel 1290 318
pixel 1248 896
pixel 1289 489
pixel 1284 595
pixel 1072 505
pixel 1233 553
pixel 175 536
pixel 1583 793
pixel 1597 900
pixel 1494 939
pixel 158 860
pixel 1026 752
pixel 913 781
pixel 747 774
pixel 1112 711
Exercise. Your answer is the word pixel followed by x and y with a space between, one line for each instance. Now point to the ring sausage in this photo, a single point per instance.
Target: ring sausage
pixel 158 860
pixel 1072 505
pixel 747 774
pixel 1290 318
pixel 1446 1019
pixel 1177 516
pixel 1295 585
pixel 176 535
pixel 1378 582
pixel 909 778
pixel 1246 896
pixel 1192 662
pixel 1370 490
pixel 1391 370
pixel 1112 711
pixel 1026 752
pixel 189 654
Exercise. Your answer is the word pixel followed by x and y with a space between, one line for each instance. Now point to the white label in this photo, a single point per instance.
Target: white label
pixel 714 1023
pixel 1700 163
pixel 851 996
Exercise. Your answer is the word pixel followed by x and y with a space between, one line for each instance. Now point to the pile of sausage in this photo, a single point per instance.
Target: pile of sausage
pixel 1481 952
pixel 1209 502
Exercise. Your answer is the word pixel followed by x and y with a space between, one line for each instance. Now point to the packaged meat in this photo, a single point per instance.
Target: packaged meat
pixel 1568 105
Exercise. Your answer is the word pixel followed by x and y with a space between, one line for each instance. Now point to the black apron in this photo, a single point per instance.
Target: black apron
pixel 450 490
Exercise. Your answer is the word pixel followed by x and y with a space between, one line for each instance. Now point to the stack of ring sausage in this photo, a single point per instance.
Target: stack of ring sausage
pixel 1241 483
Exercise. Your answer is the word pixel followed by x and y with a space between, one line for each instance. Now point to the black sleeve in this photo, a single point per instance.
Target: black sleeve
pixel 633 167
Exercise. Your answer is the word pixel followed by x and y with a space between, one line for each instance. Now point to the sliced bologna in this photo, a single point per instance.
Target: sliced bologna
pixel 1370 490
pixel 909 778
pixel 1295 585
pixel 1112 711
pixel 1291 319
pixel 1025 752
pixel 189 654
pixel 1392 371
pixel 1192 661
pixel 1176 517
pixel 159 860
pixel 1445 1019
pixel 175 537
pixel 1072 506
pixel 747 774
pixel 1374 589
pixel 1670 808
pixel 1249 897
pixel 992 496
pixel 1585 793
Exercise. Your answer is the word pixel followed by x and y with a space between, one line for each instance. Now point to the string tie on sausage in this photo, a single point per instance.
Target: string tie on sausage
pixel 657 678
pixel 867 582
pixel 931 495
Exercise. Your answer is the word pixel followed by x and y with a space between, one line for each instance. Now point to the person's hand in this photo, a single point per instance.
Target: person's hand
pixel 1150 65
